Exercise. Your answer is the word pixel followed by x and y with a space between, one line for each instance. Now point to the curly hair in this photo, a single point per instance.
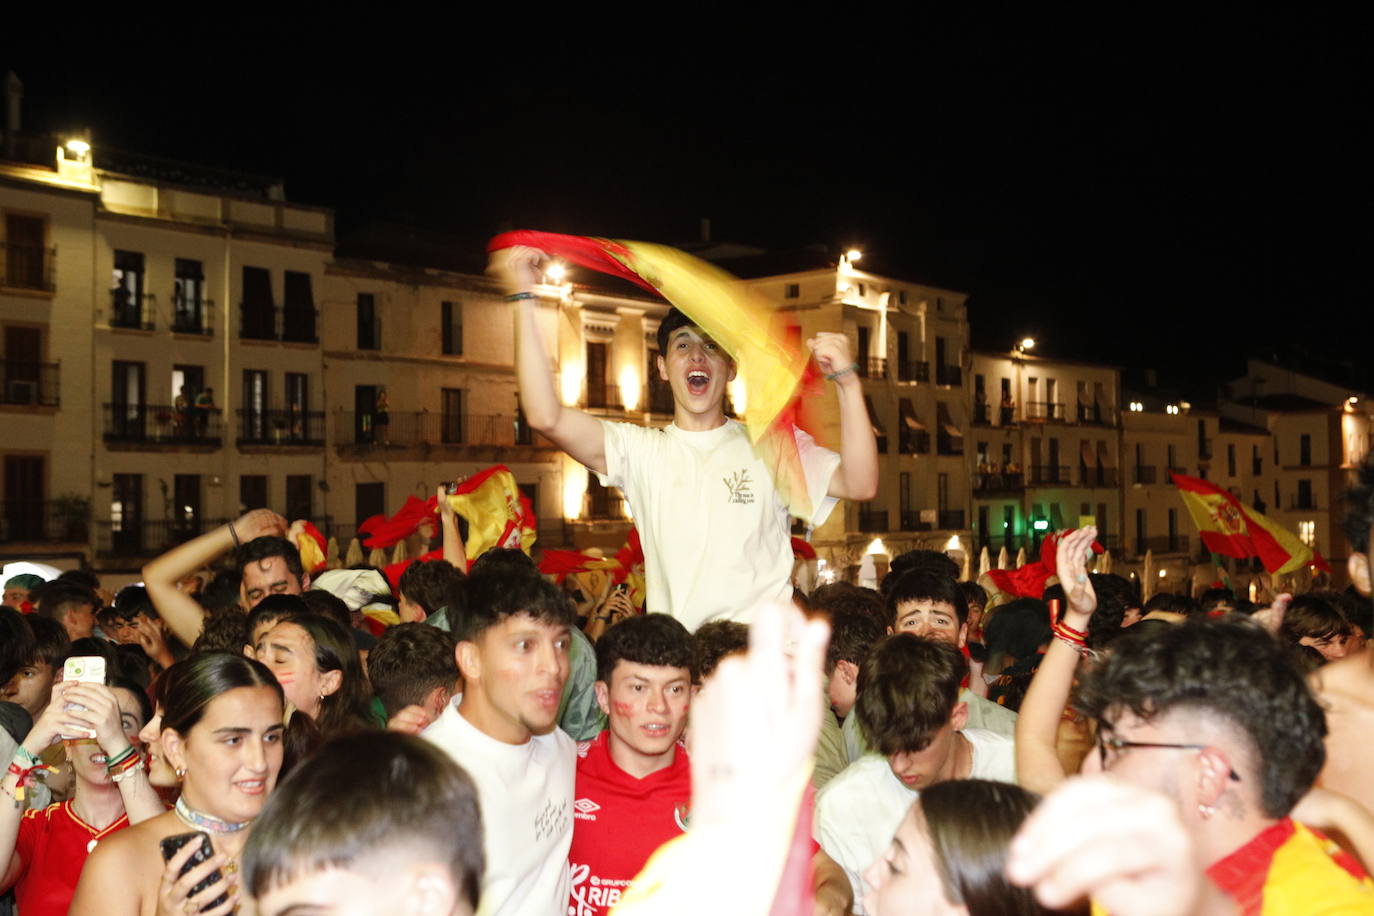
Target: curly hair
pixel 1230 669
pixel 853 634
pixel 715 641
pixel 432 585
pixel 840 597
pixel 504 586
pixel 408 662
pixel 907 689
pixel 647 639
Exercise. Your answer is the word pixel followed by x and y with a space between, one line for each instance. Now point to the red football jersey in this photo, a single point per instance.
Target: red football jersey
pixel 53 844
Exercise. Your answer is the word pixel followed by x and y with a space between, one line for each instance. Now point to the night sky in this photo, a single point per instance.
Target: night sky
pixel 1167 192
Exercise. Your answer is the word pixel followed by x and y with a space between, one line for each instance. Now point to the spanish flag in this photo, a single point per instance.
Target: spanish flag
pixel 1230 529
pixel 498 514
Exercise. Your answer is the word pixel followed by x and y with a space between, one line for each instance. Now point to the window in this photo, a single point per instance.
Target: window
pixel 298 317
pixel 298 407
pixel 299 496
pixel 863 289
pixel 1140 531
pixel 254 405
pixel 24 508
pixel 451 328
pixel 1173 459
pixel 126 514
pixel 259 309
pixel 1305 500
pixel 369 499
pixel 26 264
pixel 186 517
pixel 129 399
pixel 451 428
pixel 366 400
pixel 126 292
pixel 901 297
pixel 189 306
pixel 369 331
pixel 1256 462
pixel 793 291
pixel 1230 460
pixel 252 492
pixel 1307 533
pixel 598 391
pixel 1305 450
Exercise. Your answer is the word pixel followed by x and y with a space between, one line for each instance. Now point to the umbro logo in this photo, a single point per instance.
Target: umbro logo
pixel 586 806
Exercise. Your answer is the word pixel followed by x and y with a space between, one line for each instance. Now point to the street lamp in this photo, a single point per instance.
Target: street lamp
pixel 853 255
pixel 1026 343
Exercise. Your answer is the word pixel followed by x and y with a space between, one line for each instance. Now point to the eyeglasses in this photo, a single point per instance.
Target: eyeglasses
pixel 1117 745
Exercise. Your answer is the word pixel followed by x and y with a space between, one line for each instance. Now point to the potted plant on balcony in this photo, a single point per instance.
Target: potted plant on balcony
pixel 73 514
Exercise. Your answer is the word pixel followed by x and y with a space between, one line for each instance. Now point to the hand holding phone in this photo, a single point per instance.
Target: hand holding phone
pixel 190 864
pixel 82 669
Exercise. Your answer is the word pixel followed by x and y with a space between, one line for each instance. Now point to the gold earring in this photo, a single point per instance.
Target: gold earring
pixel 181 772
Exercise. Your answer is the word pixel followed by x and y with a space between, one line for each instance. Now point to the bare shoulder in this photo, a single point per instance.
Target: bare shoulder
pixel 126 865
pixel 1345 683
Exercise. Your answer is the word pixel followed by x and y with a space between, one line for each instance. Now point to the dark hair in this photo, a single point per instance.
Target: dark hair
pixel 1230 669
pixel 189 686
pixel 837 597
pixel 1172 604
pixel 970 823
pixel 58 596
pixel 715 641
pixel 670 322
pixel 273 608
pixel 1017 628
pixel 432 585
pixel 1359 507
pixel 922 585
pixel 974 594
pixel 348 708
pixel 930 561
pixel 224 631
pixel 907 690
pixel 222 591
pixel 1114 595
pixel 50 640
pixel 132 600
pixel 503 589
pixel 1213 597
pixel 134 663
pixel 853 634
pixel 1312 616
pixel 16 642
pixel 326 604
pixel 503 560
pixel 648 639
pixel 1354 607
pixel 82 578
pixel 333 813
pixel 145 706
pixel 408 662
pixel 265 548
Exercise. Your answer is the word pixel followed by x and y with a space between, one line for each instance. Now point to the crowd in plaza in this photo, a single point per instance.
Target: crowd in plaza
pixel 734 745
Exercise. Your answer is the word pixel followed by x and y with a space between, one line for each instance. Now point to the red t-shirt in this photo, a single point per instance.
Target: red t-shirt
pixel 53 844
pixel 618 823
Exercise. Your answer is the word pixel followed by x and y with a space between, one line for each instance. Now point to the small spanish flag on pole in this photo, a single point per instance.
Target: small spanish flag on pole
pixel 1230 529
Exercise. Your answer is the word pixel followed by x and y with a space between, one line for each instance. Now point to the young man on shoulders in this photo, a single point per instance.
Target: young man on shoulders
pixel 716 536
pixel 911 714
pixel 513 655
pixel 634 785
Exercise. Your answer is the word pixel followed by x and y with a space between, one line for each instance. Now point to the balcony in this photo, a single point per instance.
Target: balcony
pixel 605 507
pixel 990 484
pixel 1096 415
pixel 161 424
pixel 1162 544
pixel 134 311
pixel 873 520
pixel 951 519
pixel 913 371
pixel 911 521
pixel 914 442
pixel 281 427
pixel 28 267
pixel 194 317
pixel 949 375
pixel 602 394
pixel 146 537
pixel 874 367
pixel 29 384
pixel 425 429
pixel 1090 476
pixel 1144 474
pixel 982 415
pixel 1050 475
pixel 1006 416
pixel 1040 411
pixel 38 519
pixel 299 325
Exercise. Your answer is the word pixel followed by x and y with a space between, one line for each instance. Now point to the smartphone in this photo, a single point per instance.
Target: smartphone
pixel 451 487
pixel 172 844
pixel 84 669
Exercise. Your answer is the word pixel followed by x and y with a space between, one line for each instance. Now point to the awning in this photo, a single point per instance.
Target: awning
pixel 946 423
pixel 873 417
pixel 1105 456
pixel 1083 393
pixel 1086 451
pixel 908 412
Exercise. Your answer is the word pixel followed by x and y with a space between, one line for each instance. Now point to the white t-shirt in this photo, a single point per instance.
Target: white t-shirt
pixel 858 811
pixel 982 713
pixel 716 535
pixel 526 794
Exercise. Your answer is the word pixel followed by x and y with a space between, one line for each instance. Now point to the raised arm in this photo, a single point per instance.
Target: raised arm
pixel 1037 727
pixel 857 475
pixel 577 433
pixel 454 549
pixel 183 614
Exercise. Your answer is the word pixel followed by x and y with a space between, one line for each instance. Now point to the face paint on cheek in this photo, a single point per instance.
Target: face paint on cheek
pixel 623 709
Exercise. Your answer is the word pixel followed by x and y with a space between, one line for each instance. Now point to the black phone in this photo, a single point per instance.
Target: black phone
pixel 171 845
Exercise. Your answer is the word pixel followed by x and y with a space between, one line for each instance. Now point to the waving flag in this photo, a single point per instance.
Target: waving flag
pixel 1230 529
pixel 770 363
pixel 498 514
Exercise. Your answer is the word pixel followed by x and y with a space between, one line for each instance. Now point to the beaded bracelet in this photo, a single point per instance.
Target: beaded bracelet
pixel 831 376
pixel 516 297
pixel 122 757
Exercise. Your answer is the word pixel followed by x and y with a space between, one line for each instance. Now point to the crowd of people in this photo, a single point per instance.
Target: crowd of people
pixel 735 745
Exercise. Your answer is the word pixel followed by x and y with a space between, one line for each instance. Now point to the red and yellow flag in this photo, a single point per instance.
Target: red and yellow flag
pixel 1230 529
pixel 769 360
pixel 498 514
